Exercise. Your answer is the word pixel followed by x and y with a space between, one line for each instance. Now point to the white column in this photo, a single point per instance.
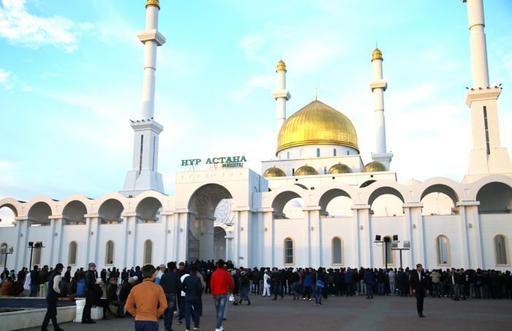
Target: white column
pixel 315 254
pixel 415 232
pixel 268 247
pixel 243 238
pixel 365 245
pixel 356 241
pixel 473 233
pixel 93 233
pixel 55 240
pixel 21 248
pixel 130 251
pixel 476 25
pixel 182 218
pixel 463 230
pixel 281 94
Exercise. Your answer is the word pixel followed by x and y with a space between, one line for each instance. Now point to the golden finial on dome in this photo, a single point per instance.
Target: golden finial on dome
pixel 377 54
pixel 155 3
pixel 281 66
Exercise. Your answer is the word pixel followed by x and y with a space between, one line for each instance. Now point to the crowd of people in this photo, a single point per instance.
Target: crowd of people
pixel 183 284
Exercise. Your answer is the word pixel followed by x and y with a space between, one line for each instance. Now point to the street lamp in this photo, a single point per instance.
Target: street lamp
pixel 386 241
pixel 6 251
pixel 33 246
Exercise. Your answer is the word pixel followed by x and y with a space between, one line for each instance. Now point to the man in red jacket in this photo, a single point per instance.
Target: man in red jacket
pixel 221 284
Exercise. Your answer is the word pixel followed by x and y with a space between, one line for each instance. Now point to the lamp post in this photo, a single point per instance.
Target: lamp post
pixel 6 251
pixel 386 241
pixel 405 247
pixel 33 246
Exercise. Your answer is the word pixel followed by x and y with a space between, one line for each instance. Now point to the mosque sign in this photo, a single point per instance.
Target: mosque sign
pixel 223 161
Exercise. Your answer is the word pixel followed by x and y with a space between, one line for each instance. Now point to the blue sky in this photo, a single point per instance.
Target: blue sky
pixel 71 78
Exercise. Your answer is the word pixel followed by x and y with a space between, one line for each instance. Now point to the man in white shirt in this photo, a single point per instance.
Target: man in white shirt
pixel 52 298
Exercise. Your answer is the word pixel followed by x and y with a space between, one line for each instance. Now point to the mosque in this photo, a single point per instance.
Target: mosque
pixel 317 203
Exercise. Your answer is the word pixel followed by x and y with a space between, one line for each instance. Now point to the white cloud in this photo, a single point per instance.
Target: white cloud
pixel 256 82
pixel 4 78
pixel 19 26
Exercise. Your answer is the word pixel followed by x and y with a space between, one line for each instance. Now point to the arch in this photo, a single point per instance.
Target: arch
pixel 109 253
pixel 288 251
pixel 384 190
pixel 443 250
pixel 7 216
pixel 110 211
pixel 148 252
pixel 74 212
pixel 367 183
pixel 202 206
pixel 39 213
pixel 148 210
pixel 280 200
pixel 13 205
pixel 329 195
pixel 440 188
pixel 495 197
pixel 72 252
pixel 501 250
pixel 337 251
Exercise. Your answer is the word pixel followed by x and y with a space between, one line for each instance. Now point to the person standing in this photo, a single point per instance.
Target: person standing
pixel 419 285
pixel 52 298
pixel 221 284
pixel 146 302
pixel 90 293
pixel 369 280
pixel 266 284
pixel 170 283
pixel 34 281
pixel 245 285
pixel 193 288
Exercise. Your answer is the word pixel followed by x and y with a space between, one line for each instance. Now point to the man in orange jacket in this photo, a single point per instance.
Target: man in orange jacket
pixel 146 302
pixel 221 284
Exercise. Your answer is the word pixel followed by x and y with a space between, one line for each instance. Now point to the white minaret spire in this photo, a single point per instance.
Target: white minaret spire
pixel 144 174
pixel 487 155
pixel 281 94
pixel 378 86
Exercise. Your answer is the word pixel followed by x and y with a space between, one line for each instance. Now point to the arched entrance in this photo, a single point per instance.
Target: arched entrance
pixel 201 235
pixel 219 243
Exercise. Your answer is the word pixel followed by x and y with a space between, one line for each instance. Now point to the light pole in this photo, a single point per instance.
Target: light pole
pixel 6 251
pixel 33 246
pixel 405 247
pixel 386 241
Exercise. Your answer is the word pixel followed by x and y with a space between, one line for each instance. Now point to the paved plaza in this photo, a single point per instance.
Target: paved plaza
pixel 356 313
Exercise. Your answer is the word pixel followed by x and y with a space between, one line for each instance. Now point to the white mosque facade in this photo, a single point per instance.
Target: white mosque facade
pixel 316 204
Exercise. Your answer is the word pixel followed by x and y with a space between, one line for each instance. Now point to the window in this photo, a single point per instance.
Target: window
pixel 336 250
pixel 388 252
pixel 288 251
pixel 334 152
pixel 500 247
pixel 72 253
pixel 318 152
pixel 109 253
pixel 148 251
pixel 443 251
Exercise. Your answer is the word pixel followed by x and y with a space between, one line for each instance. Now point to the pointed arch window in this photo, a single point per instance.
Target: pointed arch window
pixel 336 251
pixel 72 253
pixel 500 248
pixel 109 253
pixel 148 251
pixel 443 250
pixel 288 251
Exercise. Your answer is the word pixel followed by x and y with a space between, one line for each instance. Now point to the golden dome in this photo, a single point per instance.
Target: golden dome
pixel 281 66
pixel 376 54
pixel 306 171
pixel 340 168
pixel 155 3
pixel 317 124
pixel 274 172
pixel 374 167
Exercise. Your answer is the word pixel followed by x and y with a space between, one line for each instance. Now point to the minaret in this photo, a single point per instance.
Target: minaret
pixel 281 94
pixel 378 86
pixel 487 155
pixel 144 174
